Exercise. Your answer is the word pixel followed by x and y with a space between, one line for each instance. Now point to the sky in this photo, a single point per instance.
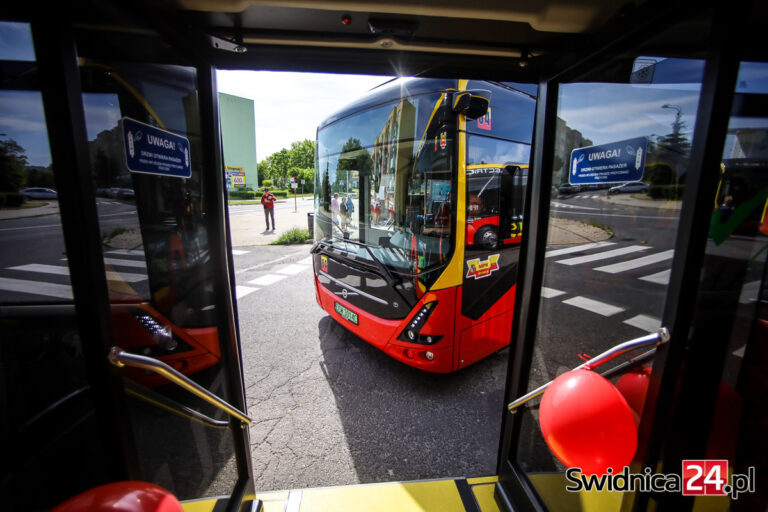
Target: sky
pixel 289 106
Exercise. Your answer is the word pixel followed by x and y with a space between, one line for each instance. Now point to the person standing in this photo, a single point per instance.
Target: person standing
pixel 335 209
pixel 268 201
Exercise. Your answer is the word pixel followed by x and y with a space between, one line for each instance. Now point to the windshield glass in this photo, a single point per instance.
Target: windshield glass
pixel 384 179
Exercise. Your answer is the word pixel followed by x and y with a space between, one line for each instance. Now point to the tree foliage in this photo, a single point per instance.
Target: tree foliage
pixel 13 160
pixel 280 166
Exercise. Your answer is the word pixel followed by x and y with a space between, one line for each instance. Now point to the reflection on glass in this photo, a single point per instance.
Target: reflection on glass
pixel 733 290
pixel 156 255
pixel 16 41
pixel 610 247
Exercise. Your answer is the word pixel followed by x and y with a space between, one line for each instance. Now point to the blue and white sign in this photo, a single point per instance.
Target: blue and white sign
pixel 150 150
pixel 615 162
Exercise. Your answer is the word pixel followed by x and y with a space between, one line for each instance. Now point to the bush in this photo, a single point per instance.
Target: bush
pixel 666 191
pixel 244 194
pixel 293 236
pixel 11 199
pixel 267 184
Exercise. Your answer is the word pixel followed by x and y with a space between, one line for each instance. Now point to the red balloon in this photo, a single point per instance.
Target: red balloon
pixel 123 497
pixel 633 385
pixel 587 423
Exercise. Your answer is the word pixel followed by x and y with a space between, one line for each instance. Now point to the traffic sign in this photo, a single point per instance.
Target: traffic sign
pixel 615 162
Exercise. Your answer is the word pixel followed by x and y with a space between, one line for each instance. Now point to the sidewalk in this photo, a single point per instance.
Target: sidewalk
pixel 49 208
pixel 628 200
pixel 249 228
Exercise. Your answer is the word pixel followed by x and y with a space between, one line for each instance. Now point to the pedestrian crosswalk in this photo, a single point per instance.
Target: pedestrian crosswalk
pixel 277 274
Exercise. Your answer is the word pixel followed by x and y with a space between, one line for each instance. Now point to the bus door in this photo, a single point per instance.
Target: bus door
pixel 497 152
pixel 122 279
pixel 601 272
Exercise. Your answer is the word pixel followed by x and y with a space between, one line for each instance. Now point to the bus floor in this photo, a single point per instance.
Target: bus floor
pixel 445 495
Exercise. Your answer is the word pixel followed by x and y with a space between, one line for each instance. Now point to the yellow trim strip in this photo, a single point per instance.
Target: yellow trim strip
pixel 454 273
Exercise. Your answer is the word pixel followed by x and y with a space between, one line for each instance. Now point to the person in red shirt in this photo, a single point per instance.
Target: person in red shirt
pixel 268 200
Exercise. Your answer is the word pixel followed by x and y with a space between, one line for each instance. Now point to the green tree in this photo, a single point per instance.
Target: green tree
pixel 302 154
pixel 13 160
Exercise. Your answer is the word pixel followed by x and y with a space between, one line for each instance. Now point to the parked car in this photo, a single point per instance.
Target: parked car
pixel 39 193
pixel 633 186
pixel 567 188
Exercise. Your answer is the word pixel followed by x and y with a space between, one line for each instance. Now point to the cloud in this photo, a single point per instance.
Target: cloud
pixel 289 106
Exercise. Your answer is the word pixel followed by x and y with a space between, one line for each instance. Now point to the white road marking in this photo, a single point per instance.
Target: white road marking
pixel 595 306
pixel 239 252
pixel 577 248
pixel 291 270
pixel 306 261
pixel 242 291
pixel 549 293
pixel 562 205
pixel 604 255
pixel 61 291
pixel 750 292
pixel 644 322
pixel 739 352
pixel 64 271
pixel 126 263
pixel 637 263
pixel 658 278
pixel 125 252
pixel 267 280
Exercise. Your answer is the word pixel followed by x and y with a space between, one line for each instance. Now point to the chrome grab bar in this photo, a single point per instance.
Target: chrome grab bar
pixel 120 358
pixel 658 338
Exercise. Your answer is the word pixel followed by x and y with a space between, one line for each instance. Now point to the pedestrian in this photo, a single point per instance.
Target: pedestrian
pixel 343 213
pixel 350 210
pixel 268 201
pixel 726 209
pixel 335 209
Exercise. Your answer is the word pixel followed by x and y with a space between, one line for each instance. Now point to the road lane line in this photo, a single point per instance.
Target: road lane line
pixel 644 322
pixel 60 291
pixel 242 291
pixel 577 248
pixel 126 263
pixel 239 252
pixel 658 278
pixel 603 255
pixel 125 252
pixel 64 271
pixel 637 263
pixel 267 280
pixel 291 270
pixel 595 306
pixel 549 293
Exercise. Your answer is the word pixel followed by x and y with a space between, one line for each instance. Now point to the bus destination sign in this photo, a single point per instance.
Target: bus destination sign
pixel 150 150
pixel 615 162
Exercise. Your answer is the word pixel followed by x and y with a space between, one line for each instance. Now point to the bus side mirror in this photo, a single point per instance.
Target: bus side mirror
pixel 472 103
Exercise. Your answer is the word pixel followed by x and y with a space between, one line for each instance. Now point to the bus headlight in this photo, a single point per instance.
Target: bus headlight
pixel 412 333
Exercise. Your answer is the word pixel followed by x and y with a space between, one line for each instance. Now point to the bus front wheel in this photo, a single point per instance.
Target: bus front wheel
pixel 486 237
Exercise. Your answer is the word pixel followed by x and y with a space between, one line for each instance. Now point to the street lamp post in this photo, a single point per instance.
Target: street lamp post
pixel 677 124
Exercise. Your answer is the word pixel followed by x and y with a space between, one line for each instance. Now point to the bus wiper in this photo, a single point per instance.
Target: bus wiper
pixel 392 279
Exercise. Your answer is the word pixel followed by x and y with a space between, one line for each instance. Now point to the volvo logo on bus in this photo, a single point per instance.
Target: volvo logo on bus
pixel 344 293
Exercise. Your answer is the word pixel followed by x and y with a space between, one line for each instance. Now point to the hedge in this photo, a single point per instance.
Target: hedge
pixel 666 191
pixel 11 199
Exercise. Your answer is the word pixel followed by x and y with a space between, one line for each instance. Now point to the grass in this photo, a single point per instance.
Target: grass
pixel 604 227
pixel 293 236
pixel 115 232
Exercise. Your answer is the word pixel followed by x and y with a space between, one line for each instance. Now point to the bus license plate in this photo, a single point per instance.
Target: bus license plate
pixel 349 315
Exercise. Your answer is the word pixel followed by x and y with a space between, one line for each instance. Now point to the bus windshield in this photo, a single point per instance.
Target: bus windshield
pixel 384 179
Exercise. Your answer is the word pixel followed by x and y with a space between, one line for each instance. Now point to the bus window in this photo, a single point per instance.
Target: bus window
pixel 733 290
pixel 608 257
pixel 43 374
pixel 158 264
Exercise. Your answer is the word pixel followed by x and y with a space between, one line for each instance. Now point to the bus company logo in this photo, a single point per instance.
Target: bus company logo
pixel 443 140
pixel 698 478
pixel 479 269
pixel 324 263
pixel 484 123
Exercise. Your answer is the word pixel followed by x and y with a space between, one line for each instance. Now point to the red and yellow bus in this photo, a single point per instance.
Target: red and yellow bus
pixel 425 267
